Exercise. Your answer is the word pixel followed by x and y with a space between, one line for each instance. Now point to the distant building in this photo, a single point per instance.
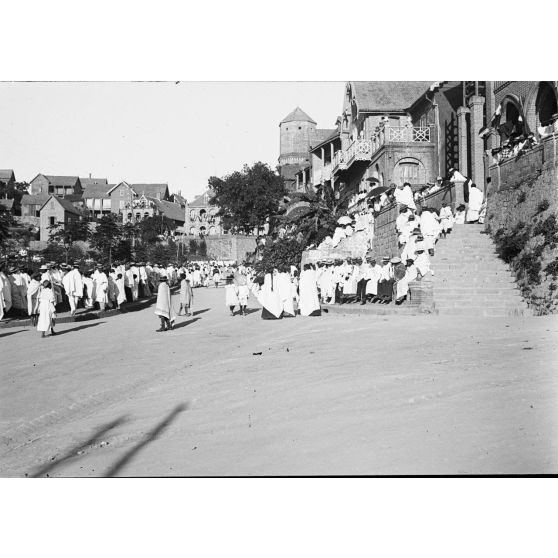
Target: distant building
pixel 62 186
pixel 202 218
pixel 30 208
pixel 8 205
pixel 7 177
pixel 56 211
pixel 97 199
pixel 297 132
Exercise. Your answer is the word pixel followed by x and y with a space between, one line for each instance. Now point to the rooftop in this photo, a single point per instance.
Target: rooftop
pixel 97 191
pixel 387 96
pixel 297 115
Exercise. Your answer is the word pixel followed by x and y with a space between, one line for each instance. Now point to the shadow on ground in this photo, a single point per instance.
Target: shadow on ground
pixel 200 311
pixel 74 452
pixel 78 328
pixel 186 323
pixel 151 436
pixel 12 333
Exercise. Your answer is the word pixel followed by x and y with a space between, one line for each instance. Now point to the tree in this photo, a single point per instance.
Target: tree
pixel 107 235
pixel 319 218
pixel 14 192
pixel 151 228
pixel 192 247
pixel 5 223
pixel 247 199
pixel 202 247
pixel 66 235
pixel 280 255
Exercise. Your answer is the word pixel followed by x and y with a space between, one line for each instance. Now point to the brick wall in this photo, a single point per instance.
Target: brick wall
pixel 518 187
pixel 422 294
pixel 385 234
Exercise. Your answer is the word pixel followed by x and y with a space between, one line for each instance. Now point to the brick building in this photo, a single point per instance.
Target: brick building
pixel 297 133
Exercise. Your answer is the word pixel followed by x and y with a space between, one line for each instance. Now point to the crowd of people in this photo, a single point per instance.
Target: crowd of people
pixel 418 226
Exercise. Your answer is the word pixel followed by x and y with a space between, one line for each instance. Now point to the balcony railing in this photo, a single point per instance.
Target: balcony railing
pixel 359 150
pixel 363 150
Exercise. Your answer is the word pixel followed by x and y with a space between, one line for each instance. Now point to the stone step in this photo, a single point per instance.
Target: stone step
pixel 404 309
pixel 467 289
pixel 486 312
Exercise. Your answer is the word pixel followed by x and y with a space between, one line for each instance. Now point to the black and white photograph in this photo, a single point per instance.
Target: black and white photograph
pixel 337 278
pixel 269 288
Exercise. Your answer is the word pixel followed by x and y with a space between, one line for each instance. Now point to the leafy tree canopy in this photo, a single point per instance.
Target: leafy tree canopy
pixel 247 198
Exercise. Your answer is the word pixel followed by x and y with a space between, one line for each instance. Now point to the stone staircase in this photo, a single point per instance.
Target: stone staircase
pixel 471 280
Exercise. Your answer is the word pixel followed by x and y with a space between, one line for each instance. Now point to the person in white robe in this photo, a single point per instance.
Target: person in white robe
pixel 33 291
pixel 268 296
pixel 240 280
pixel 430 228
pixel 402 286
pixel 101 288
pixel 120 289
pixel 459 218
pixel 446 219
pixel 20 286
pixel 404 196
pixel 73 285
pixel 89 289
pixel 284 286
pixel 476 198
pixel 6 293
pixel 163 307
pixel 231 296
pixel 374 275
pixel 47 309
pixel 309 302
pixel 133 279
pixel 422 261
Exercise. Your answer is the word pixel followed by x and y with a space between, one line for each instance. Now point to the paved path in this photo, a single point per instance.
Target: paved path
pixel 330 395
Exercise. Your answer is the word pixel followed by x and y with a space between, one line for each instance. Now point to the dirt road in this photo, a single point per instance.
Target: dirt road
pixel 225 395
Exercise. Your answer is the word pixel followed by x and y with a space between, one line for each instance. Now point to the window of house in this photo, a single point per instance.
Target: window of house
pixel 121 191
pixel 546 105
pixel 408 171
pixel 52 221
pixel 51 189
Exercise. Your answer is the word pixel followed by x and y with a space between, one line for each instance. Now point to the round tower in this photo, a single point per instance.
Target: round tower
pixel 296 132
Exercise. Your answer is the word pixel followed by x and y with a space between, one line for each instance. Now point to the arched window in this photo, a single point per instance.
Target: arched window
pixel 545 104
pixel 409 170
pixel 511 123
pixel 212 230
pixel 203 214
pixel 202 231
pixel 193 231
pixel 193 215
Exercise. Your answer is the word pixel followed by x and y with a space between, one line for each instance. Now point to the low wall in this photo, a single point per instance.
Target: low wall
pixel 385 234
pixel 230 247
pixel 515 171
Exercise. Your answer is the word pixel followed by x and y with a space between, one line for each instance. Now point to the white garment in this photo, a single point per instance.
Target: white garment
pixel 47 309
pixel 73 283
pixel 268 296
pixel 309 301
pixel 475 202
pixel 404 196
pixel 284 287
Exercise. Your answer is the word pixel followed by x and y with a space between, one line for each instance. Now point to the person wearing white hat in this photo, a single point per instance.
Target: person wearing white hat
pixel 404 195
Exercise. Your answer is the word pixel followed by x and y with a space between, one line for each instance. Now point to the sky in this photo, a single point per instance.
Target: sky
pixel 180 133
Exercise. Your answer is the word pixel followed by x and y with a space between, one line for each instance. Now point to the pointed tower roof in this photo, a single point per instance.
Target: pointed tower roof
pixel 297 115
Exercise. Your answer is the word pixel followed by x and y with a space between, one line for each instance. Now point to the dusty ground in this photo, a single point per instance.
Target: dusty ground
pixel 329 395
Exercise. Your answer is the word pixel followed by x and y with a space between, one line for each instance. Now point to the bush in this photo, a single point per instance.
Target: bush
pixel 509 245
pixel 529 265
pixel 522 197
pixel 280 255
pixel 548 229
